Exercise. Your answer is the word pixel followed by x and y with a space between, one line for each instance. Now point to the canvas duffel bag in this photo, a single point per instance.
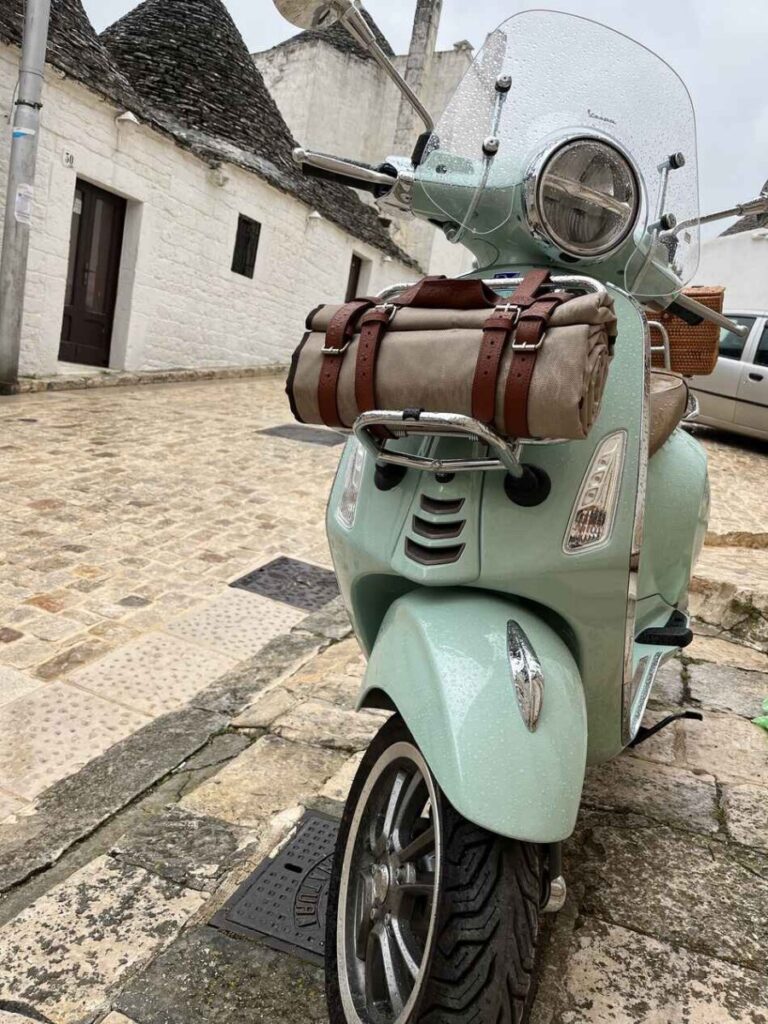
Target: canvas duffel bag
pixel 533 365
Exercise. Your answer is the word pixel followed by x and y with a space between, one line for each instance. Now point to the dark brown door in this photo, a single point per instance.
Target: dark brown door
pixel 95 245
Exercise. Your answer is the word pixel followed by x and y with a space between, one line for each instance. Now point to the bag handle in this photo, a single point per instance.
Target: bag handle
pixel 441 292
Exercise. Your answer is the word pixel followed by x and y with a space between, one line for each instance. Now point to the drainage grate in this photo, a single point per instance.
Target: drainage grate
pixel 293 582
pixel 309 435
pixel 283 903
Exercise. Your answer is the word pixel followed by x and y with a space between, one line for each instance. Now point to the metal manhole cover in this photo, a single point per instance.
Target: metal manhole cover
pixel 309 435
pixel 283 902
pixel 293 582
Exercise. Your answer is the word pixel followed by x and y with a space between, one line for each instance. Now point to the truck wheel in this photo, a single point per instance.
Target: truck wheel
pixel 431 919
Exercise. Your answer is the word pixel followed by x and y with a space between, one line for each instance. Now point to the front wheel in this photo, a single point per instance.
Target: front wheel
pixel 431 919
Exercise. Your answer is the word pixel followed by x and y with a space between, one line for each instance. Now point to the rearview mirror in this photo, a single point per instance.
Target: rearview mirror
pixel 308 13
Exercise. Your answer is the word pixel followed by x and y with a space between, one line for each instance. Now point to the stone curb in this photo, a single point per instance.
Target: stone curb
pixel 124 378
pixel 74 808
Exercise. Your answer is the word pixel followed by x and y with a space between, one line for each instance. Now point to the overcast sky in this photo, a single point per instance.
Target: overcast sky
pixel 719 48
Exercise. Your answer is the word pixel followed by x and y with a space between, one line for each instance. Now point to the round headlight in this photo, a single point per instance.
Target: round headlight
pixel 587 198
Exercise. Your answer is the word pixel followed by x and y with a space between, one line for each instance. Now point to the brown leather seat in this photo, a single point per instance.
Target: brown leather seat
pixel 669 400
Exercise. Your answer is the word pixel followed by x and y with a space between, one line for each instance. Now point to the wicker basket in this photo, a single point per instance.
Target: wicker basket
pixel 693 350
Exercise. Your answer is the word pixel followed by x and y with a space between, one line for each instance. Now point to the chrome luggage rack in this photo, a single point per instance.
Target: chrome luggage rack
pixel 415 422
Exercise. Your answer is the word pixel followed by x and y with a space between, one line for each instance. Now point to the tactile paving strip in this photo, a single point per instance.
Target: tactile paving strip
pixel 283 903
pixel 293 582
pixel 309 435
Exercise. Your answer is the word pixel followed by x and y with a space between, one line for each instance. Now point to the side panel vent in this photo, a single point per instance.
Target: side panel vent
pixel 437 531
pixel 441 506
pixel 432 556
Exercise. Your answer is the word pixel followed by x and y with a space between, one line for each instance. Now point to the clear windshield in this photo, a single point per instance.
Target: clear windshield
pixel 568 76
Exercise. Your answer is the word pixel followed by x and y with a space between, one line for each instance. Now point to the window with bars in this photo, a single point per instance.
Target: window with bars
pixel 246 246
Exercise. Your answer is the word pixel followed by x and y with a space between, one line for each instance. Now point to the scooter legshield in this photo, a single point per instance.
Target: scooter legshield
pixel 441 657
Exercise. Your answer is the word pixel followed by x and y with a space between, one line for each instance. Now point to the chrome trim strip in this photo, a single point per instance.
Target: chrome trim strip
pixel 563 281
pixel 638 529
pixel 527 675
pixel 655 325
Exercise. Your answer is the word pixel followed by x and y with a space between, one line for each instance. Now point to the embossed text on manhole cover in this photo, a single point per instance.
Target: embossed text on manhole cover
pixel 297 583
pixel 283 902
pixel 309 435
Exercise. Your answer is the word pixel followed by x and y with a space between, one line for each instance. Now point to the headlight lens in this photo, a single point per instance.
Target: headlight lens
pixel 587 198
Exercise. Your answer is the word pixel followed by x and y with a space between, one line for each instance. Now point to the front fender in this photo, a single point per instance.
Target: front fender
pixel 441 658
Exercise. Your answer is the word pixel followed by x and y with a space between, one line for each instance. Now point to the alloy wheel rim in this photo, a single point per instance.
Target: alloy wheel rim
pixel 389 892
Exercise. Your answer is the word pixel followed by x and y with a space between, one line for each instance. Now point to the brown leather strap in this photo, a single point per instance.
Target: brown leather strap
pixel 340 332
pixel 373 327
pixel 529 334
pixel 496 333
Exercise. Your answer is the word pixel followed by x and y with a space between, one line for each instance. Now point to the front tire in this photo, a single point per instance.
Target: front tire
pixel 431 919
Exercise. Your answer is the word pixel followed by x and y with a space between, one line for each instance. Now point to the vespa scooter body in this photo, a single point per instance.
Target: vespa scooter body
pixel 434 573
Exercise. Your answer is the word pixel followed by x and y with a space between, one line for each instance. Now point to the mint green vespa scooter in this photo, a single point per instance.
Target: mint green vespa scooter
pixel 514 632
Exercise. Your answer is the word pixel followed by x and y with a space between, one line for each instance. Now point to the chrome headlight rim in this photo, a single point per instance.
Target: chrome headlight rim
pixel 532 199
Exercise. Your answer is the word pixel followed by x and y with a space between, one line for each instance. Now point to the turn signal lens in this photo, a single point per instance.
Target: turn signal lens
pixel 594 513
pixel 353 478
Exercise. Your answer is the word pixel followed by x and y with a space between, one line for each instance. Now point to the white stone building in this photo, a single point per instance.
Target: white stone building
pixel 170 227
pixel 738 259
pixel 336 99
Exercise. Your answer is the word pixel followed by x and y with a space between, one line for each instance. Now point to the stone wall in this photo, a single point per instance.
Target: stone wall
pixel 740 262
pixel 179 304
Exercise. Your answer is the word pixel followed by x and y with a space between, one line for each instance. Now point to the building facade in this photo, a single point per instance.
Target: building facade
pixel 336 99
pixel 170 228
pixel 738 259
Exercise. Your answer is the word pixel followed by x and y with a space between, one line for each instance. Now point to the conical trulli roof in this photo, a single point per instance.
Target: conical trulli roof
pixel 339 38
pixel 73 47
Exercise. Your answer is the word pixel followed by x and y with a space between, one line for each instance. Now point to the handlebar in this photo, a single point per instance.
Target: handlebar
pixel 377 180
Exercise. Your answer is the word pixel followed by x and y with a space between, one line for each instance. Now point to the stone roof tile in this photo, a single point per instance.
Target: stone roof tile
pixel 73 47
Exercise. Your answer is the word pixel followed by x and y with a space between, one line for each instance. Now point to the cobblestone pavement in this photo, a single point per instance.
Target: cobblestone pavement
pixel 138 797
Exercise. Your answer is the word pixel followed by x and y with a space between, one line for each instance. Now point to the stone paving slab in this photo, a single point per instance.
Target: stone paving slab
pixel 721 915
pixel 75 807
pixel 155 674
pixel 616 975
pixel 237 624
pixel 720 651
pixel 14 685
pixel 659 791
pixel 727 688
pixel 218 978
pixel 184 848
pixel 108 919
pixel 53 732
pixel 739 514
pixel 745 809
pixel 10 805
pixel 269 776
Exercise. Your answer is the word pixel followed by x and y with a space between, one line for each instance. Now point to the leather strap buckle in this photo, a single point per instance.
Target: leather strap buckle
pixel 387 307
pixel 531 346
pixel 510 307
pixel 329 350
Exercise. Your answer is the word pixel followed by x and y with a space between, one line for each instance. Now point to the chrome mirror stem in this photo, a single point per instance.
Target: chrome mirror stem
pixel 757 206
pixel 351 17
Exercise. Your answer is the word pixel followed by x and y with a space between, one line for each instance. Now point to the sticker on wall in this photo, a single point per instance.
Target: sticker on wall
pixel 23 133
pixel 25 201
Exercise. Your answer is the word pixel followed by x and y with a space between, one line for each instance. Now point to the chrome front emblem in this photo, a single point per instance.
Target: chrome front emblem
pixel 526 675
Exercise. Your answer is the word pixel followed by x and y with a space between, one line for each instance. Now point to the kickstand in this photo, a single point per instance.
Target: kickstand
pixel 644 733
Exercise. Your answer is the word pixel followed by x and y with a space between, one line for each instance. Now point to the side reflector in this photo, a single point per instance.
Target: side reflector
pixel 594 512
pixel 353 478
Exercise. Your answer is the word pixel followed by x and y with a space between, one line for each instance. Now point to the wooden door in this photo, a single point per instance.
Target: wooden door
pixel 96 242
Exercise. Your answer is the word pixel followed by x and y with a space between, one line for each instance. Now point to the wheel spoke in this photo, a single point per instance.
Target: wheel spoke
pixel 380 835
pixel 422 844
pixel 392 972
pixel 402 947
pixel 406 804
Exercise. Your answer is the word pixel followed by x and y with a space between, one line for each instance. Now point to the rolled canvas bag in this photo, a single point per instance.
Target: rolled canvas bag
pixel 532 365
